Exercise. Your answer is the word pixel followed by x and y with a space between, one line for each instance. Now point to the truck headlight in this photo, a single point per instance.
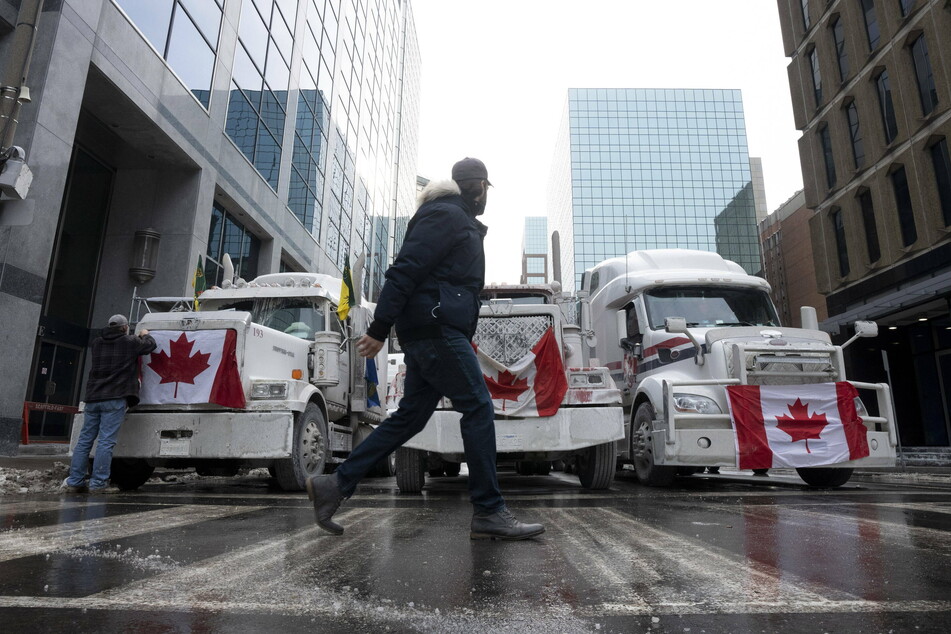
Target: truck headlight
pixel 262 390
pixel 696 404
pixel 585 379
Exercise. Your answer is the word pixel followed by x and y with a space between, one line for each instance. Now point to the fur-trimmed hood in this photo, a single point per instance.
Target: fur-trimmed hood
pixel 437 189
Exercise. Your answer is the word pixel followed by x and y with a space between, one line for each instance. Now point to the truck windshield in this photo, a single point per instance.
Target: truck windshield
pixel 710 306
pixel 292 315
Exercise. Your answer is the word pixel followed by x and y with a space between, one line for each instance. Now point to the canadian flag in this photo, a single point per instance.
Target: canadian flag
pixel 796 426
pixel 533 386
pixel 192 367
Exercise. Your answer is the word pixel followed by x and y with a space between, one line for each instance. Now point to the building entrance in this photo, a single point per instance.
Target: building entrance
pixel 64 328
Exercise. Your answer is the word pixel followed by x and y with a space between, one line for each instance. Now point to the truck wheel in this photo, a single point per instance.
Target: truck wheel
pixel 825 477
pixel 410 470
pixel 384 468
pixel 543 467
pixel 452 469
pixel 309 453
pixel 596 466
pixel 642 450
pixel 130 473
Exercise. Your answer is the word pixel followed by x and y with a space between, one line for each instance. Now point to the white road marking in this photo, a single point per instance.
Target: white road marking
pixel 884 529
pixel 36 506
pixel 45 539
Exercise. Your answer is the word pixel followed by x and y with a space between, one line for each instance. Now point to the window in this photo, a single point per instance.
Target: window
pixel 923 74
pixel 906 214
pixel 816 77
pixel 841 54
pixel 826 140
pixel 855 135
pixel 942 173
pixel 871 229
pixel 871 24
pixel 906 6
pixel 886 106
pixel 185 34
pixel 838 229
pixel 258 104
pixel 806 23
pixel 227 235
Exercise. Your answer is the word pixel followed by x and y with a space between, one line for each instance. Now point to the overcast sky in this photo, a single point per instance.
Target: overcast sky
pixel 495 76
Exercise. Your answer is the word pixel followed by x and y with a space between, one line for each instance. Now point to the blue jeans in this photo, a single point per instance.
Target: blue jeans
pixel 102 419
pixel 445 366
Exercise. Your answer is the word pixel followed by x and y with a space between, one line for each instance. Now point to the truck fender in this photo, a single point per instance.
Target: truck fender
pixel 311 394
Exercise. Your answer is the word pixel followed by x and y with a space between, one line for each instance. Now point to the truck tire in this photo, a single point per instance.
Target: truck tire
pixel 130 473
pixel 309 453
pixel 525 467
pixel 596 466
pixel 452 469
pixel 385 468
pixel 543 467
pixel 410 470
pixel 825 477
pixel 642 450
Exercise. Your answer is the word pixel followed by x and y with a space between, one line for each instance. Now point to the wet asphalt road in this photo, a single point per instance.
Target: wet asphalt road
pixel 712 554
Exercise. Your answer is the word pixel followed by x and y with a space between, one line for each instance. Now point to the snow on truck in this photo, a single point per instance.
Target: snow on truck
pixel 263 376
pixel 549 405
pixel 709 378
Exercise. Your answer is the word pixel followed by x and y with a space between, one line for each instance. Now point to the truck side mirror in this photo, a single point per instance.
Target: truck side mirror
pixel 862 329
pixel 675 324
pixel 621 317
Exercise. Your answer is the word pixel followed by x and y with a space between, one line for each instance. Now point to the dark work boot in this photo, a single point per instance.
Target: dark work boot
pixel 326 495
pixel 502 525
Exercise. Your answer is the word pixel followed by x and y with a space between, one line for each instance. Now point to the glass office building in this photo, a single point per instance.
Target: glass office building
pixel 281 133
pixel 648 169
pixel 535 250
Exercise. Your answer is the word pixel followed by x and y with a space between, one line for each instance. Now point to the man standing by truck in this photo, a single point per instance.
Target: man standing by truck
pixel 112 387
pixel 431 295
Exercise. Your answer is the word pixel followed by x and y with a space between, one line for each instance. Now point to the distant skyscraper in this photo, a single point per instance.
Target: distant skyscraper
pixel 535 250
pixel 643 168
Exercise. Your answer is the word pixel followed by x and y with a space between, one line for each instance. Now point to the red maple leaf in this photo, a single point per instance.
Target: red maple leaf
pixel 507 388
pixel 179 367
pixel 802 426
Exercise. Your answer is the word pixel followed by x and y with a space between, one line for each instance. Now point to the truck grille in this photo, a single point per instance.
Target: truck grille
pixel 768 368
pixel 508 339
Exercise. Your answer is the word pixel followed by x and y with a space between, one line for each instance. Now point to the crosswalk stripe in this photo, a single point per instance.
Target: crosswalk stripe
pixel 45 539
pixel 885 529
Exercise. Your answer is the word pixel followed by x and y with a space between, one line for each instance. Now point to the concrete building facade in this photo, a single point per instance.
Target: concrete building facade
pixel 652 168
pixel 280 132
pixel 871 88
pixel 787 261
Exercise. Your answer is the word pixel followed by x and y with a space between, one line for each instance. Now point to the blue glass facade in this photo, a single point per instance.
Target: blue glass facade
pixel 652 168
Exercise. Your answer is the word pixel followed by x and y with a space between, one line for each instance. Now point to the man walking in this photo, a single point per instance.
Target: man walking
pixel 112 387
pixel 431 295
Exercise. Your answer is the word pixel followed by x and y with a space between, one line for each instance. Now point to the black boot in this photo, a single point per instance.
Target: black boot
pixel 502 525
pixel 326 495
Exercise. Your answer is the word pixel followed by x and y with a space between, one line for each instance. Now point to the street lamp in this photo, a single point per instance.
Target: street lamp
pixel 144 255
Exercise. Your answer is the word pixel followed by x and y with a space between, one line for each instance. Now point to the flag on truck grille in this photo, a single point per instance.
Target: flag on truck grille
pixel 532 386
pixel 192 367
pixel 796 425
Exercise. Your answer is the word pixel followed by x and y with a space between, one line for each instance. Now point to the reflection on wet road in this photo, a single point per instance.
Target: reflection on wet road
pixel 710 554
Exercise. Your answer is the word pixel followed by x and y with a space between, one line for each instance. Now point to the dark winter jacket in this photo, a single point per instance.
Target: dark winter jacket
pixel 439 272
pixel 115 366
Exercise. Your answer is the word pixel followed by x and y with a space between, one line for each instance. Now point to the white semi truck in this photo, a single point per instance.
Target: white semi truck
pixel 676 327
pixel 264 375
pixel 528 347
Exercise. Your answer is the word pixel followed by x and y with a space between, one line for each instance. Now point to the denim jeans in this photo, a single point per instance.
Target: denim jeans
pixel 438 367
pixel 102 419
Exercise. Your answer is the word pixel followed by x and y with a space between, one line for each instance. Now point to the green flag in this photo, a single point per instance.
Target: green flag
pixel 346 291
pixel 198 282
